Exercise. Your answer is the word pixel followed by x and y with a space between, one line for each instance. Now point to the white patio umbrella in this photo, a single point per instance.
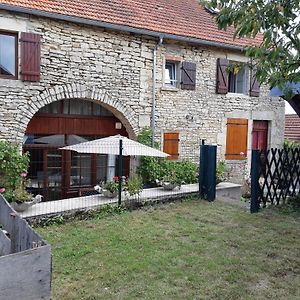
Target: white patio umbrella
pixel 116 145
pixel 111 145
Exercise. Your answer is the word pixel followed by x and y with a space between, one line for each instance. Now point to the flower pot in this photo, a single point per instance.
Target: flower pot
pixel 169 186
pixel 109 194
pixel 21 206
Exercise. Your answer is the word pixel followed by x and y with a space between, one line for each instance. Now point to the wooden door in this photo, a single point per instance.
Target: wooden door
pixel 260 135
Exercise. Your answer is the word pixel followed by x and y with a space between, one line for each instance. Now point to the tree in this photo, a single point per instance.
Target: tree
pixel 275 23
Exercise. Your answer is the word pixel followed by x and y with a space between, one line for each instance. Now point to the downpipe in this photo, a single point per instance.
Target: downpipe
pixel 153 110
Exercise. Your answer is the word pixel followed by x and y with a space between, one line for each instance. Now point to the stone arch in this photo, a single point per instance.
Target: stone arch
pixel 78 91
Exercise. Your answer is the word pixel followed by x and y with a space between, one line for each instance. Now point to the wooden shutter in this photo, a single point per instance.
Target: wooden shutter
pixel 254 86
pixel 236 139
pixel 171 142
pixel 188 76
pixel 30 56
pixel 222 76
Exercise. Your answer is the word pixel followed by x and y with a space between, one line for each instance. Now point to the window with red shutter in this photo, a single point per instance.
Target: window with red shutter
pixel 30 56
pixel 236 139
pixel 171 145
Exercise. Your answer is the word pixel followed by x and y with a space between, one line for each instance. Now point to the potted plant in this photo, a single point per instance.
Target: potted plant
pixel 133 187
pixel 109 189
pixel 20 199
pixel 171 181
pixel 13 177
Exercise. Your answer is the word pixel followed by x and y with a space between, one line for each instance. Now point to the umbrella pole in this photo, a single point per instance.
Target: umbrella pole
pixel 120 171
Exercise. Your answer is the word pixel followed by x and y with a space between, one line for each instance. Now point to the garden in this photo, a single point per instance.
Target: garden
pixel 184 250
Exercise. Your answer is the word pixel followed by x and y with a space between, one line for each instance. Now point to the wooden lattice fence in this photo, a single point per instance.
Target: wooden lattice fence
pixel 275 176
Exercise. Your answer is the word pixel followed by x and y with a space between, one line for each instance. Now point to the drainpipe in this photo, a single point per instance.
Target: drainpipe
pixel 154 88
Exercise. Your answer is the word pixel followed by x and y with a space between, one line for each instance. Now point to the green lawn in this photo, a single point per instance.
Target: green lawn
pixel 187 250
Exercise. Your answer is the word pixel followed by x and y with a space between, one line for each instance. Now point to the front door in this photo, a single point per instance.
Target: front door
pixel 260 135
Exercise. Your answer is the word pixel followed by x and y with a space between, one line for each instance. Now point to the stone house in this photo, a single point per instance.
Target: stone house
pixel 77 70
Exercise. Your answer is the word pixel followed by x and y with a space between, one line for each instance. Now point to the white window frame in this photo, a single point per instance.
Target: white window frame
pixel 175 74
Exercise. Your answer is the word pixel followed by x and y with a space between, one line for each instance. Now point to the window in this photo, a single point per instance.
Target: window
pixel 238 81
pixel 8 55
pixel 171 77
pixel 236 139
pixel 235 81
pixel 171 145
pixel 76 107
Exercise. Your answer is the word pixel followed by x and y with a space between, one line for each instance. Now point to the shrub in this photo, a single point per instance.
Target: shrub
pixel 152 169
pixel 13 170
pixel 134 186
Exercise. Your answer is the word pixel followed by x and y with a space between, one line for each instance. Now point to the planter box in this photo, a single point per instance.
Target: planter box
pixel 25 259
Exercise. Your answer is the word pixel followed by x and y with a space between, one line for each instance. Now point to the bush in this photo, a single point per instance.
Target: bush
pixel 13 170
pixel 152 169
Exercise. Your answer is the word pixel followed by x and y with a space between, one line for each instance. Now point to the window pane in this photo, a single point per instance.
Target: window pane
pixel 170 74
pixel 52 108
pixel 80 107
pixel 240 81
pixel 7 55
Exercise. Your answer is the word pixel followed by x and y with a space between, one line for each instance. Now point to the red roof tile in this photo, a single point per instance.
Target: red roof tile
pixel 178 17
pixel 292 127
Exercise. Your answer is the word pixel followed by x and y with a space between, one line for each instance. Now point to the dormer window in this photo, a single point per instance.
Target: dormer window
pixel 8 55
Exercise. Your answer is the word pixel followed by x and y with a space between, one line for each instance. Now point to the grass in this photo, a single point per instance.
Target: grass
pixel 187 250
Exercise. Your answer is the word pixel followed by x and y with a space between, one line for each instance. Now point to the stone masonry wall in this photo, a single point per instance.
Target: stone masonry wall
pixel 115 70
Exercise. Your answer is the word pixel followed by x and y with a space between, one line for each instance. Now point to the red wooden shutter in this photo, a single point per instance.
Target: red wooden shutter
pixel 171 142
pixel 30 56
pixel 236 139
pixel 188 76
pixel 254 86
pixel 222 76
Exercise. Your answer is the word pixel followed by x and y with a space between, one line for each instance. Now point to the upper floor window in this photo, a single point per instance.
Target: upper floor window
pixel 238 79
pixel 180 74
pixel 171 74
pixel 8 55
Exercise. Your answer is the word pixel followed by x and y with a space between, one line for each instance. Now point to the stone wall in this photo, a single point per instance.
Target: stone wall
pixel 115 70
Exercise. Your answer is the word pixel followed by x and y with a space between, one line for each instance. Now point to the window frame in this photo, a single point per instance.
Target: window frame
pixel 16 36
pixel 176 81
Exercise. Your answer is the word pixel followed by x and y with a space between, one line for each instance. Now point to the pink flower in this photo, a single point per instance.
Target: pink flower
pixel 2 190
pixel 23 174
pixel 242 153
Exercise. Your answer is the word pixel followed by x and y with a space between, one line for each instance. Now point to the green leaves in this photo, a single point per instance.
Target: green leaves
pixel 277 58
pixel 12 164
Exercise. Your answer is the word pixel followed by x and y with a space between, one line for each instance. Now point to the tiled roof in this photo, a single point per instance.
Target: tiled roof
pixel 292 127
pixel 177 17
